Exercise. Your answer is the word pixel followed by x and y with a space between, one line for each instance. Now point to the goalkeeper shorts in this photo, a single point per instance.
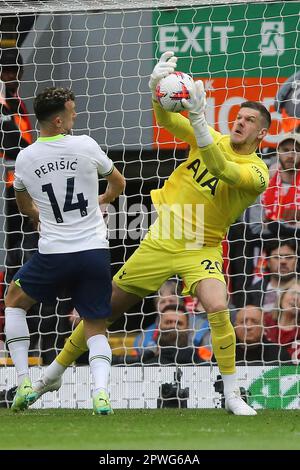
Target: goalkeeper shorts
pixel 151 265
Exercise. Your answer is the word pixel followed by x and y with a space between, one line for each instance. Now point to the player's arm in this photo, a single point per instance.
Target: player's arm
pixel 115 186
pixel 27 206
pixel 105 167
pixel 24 201
pixel 177 124
pixel 249 177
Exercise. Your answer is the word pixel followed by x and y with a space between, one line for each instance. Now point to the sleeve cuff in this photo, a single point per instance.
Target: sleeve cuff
pixel 109 172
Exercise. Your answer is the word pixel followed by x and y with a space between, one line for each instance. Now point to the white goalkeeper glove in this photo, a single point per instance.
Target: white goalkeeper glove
pixel 166 65
pixel 196 106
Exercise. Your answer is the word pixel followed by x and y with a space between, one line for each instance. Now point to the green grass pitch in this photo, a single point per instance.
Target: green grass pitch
pixel 149 429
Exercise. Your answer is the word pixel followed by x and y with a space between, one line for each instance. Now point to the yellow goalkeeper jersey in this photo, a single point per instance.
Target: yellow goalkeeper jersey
pixel 199 205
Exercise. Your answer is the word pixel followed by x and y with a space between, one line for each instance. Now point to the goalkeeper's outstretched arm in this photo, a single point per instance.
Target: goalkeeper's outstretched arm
pixel 177 124
pixel 247 176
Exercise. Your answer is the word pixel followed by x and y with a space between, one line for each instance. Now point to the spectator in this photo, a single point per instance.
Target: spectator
pixel 277 212
pixel 283 325
pixel 172 344
pixel 281 258
pixel 252 346
pixel 281 200
pixel 287 103
pixel 167 294
pixel 15 134
pixel 200 335
pixel 199 331
pixel 240 252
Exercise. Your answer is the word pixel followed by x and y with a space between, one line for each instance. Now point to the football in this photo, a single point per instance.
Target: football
pixel 172 89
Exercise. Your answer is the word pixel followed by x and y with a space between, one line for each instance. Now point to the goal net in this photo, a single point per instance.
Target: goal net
pixel 105 51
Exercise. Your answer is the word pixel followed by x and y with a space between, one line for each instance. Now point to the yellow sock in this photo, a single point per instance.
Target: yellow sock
pixel 223 340
pixel 74 347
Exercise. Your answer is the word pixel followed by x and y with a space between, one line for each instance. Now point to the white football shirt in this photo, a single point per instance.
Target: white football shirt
pixel 61 175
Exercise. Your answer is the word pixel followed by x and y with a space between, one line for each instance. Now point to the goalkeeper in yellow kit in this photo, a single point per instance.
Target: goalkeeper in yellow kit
pixel 221 177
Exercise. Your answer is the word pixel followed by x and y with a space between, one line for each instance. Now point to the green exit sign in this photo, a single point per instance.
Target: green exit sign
pixel 249 40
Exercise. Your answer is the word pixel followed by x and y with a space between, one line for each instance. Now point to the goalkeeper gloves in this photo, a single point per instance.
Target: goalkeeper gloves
pixel 166 65
pixel 196 106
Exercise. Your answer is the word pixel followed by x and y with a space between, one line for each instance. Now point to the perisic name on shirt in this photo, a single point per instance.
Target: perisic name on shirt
pixel 62 164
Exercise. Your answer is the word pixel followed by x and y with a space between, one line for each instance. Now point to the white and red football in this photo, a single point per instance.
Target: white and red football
pixel 172 89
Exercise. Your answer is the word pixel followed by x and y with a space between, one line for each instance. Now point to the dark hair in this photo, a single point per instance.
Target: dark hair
pixel 11 58
pixel 261 108
pixel 272 245
pixel 177 308
pixel 50 101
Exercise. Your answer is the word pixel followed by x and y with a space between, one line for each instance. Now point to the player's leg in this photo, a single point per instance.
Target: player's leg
pixel 76 345
pixel 128 288
pixel 143 273
pixel 51 378
pixel 100 363
pixel 17 302
pixel 212 294
pixel 91 294
pixel 203 277
pixel 131 283
pixel 35 282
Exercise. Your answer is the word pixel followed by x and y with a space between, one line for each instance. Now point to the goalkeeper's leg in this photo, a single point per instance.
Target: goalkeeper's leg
pixel 76 345
pixel 131 283
pixel 212 295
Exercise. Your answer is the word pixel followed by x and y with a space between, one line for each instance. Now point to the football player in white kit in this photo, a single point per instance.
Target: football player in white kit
pixel 56 185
